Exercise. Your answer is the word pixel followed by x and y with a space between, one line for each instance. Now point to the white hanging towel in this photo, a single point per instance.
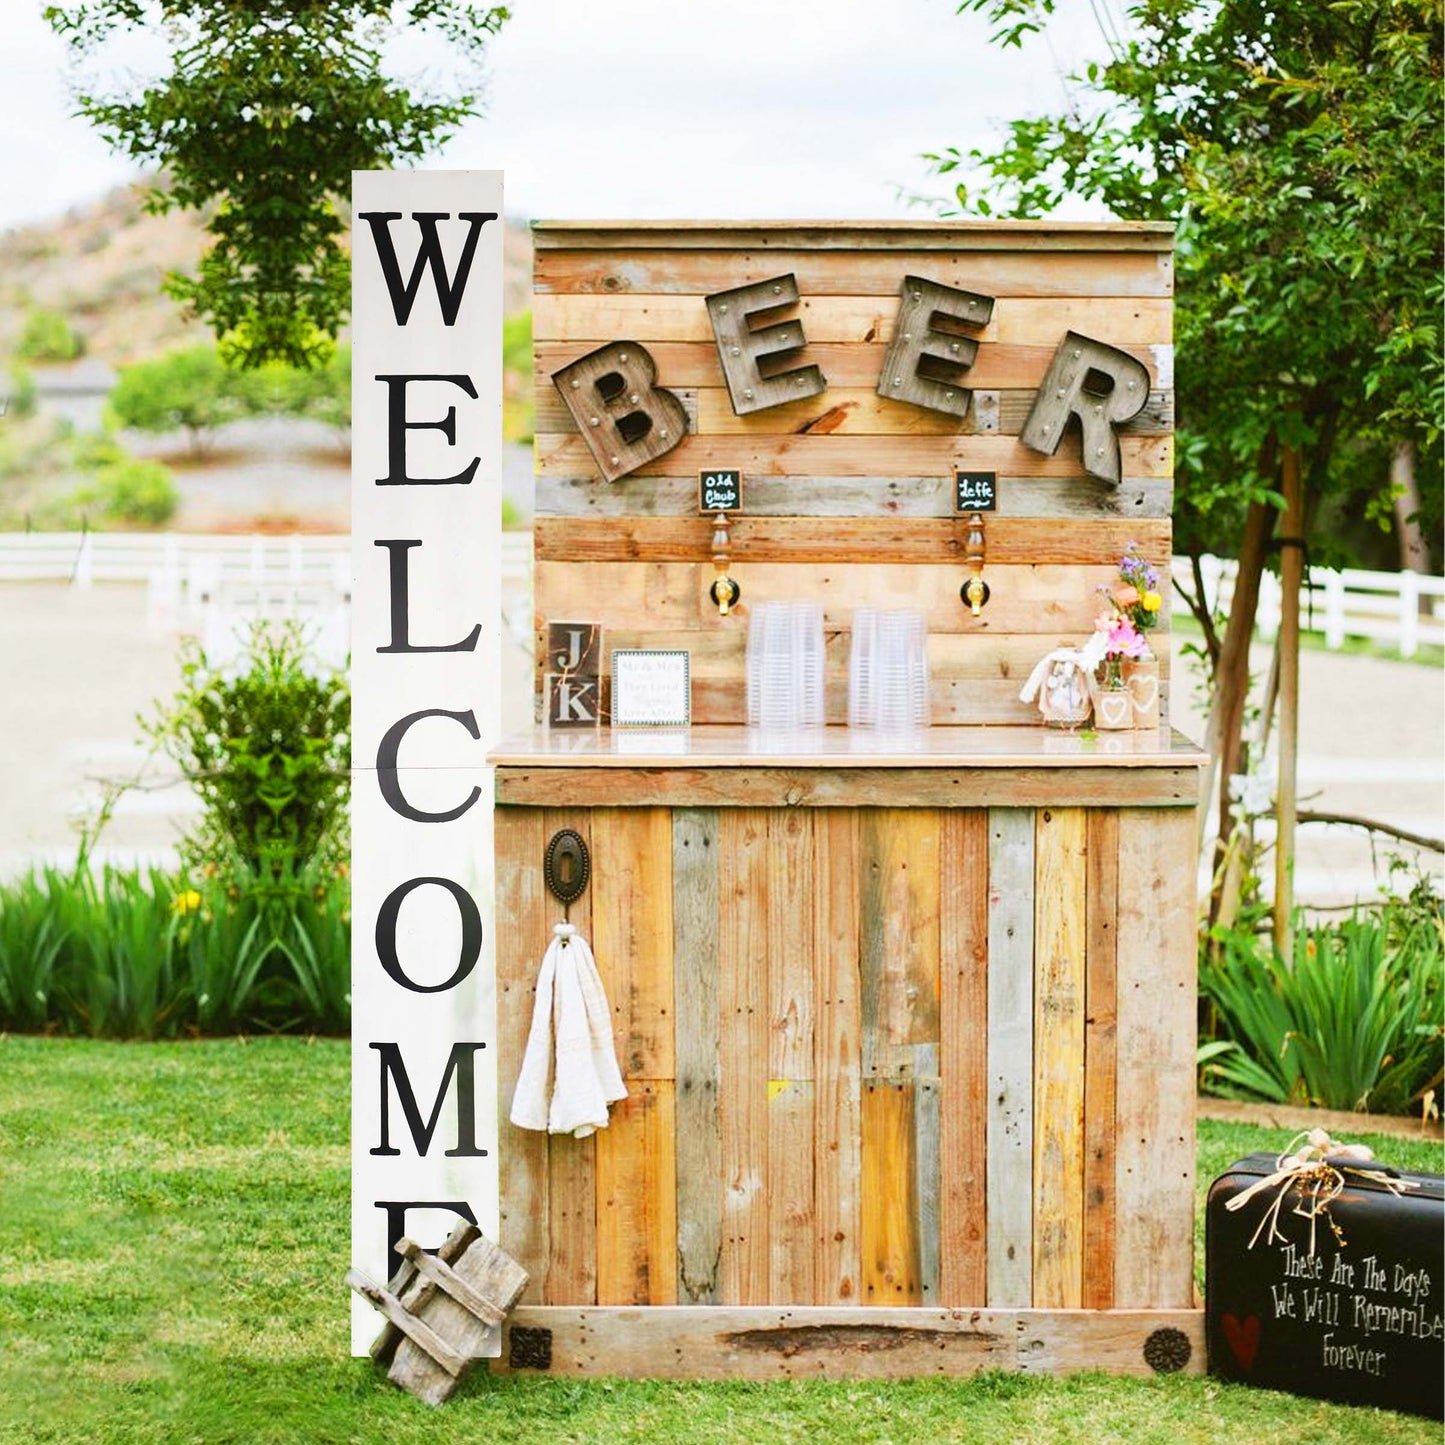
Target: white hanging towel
pixel 569 1072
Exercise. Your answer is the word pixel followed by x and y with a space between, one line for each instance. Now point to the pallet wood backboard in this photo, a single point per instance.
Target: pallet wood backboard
pixel 847 495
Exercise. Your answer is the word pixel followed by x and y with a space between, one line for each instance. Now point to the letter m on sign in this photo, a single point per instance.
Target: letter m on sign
pixel 449 289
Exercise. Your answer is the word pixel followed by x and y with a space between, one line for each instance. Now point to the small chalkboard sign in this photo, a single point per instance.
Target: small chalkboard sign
pixel 975 491
pixel 720 489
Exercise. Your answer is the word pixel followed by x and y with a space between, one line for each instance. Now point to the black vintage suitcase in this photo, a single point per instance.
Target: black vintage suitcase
pixel 1360 1321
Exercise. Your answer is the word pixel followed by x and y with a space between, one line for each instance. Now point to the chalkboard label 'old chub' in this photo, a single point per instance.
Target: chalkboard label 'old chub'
pixel 720 489
pixel 975 491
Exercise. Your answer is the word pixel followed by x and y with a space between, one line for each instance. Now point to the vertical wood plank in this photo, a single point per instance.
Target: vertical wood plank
pixel 1010 1056
pixel 571 1163
pixel 523 932
pixel 889 1233
pixel 1059 933
pixel 963 1057
pixel 637 1199
pixel 743 888
pixel 632 927
pixel 1099 1059
pixel 788 959
pixel 695 971
pixel 789 965
pixel 1154 1165
pixel 788 1198
pixel 636 1163
pixel 899 941
pixel 927 1185
pixel 836 1163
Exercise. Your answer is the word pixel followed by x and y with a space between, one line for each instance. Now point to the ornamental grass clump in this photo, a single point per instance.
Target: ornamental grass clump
pixel 1352 1020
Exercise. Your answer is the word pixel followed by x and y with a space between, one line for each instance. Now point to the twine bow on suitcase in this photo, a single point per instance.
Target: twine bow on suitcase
pixel 1315 1169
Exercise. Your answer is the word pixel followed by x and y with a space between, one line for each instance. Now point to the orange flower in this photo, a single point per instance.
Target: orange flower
pixel 1127 596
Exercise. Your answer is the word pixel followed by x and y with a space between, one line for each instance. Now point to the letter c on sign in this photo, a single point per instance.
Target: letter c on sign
pixel 386 921
pixel 386 766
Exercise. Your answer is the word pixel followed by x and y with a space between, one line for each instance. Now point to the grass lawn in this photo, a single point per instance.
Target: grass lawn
pixel 172 1244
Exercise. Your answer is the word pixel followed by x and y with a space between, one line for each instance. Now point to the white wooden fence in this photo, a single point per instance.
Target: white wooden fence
pixel 188 574
pixel 1398 609
pixel 213 585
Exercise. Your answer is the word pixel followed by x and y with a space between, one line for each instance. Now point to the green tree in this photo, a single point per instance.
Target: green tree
pixel 191 389
pixel 268 108
pixel 1297 145
pixel 48 336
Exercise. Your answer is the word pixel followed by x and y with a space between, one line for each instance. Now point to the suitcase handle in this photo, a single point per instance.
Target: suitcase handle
pixel 1361 1166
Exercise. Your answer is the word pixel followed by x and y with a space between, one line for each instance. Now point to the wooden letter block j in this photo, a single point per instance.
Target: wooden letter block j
pixel 625 419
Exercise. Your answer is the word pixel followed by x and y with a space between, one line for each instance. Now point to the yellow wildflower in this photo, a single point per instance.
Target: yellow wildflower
pixel 1152 601
pixel 186 902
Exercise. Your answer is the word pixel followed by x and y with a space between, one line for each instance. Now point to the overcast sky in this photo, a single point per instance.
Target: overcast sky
pixel 652 108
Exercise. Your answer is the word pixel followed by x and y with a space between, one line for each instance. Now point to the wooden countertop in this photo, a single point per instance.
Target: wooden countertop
pixel 842 747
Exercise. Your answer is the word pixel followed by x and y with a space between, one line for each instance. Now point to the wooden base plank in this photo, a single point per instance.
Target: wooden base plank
pixel 824 1342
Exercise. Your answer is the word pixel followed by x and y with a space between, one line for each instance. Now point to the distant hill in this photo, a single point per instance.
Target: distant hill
pixel 101 265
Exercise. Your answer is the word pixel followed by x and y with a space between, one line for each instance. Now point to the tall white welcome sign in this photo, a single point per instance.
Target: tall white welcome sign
pixel 426 545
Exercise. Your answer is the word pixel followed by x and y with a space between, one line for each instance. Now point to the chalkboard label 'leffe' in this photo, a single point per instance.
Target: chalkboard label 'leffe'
pixel 975 491
pixel 720 490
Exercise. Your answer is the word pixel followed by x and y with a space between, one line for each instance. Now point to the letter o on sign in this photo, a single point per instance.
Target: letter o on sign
pixel 386 921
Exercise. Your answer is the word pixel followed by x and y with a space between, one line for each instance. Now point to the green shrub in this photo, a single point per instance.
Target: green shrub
pixel 265 744
pixel 136 491
pixel 48 336
pixel 1351 1021
pixel 17 393
pixel 191 389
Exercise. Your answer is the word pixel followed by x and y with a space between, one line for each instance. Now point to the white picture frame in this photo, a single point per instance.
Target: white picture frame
pixel 651 688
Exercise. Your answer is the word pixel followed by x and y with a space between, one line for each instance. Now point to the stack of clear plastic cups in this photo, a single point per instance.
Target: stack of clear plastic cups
pixel 785 665
pixel 888 670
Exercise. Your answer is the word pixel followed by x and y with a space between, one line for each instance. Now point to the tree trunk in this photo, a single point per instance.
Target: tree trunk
pixel 1222 735
pixel 1291 575
pixel 1414 550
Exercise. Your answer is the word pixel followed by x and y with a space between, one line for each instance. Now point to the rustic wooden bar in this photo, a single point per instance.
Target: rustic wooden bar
pixel 907 1027
pixel 902 1028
